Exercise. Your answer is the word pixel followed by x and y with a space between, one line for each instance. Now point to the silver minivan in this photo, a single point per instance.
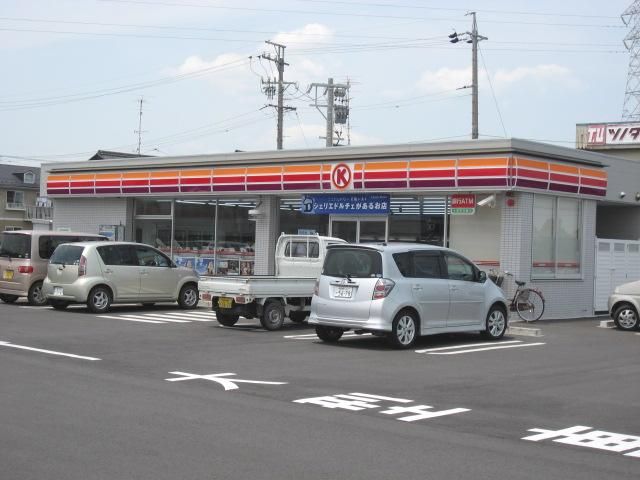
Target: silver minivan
pixel 24 255
pixel 102 273
pixel 403 291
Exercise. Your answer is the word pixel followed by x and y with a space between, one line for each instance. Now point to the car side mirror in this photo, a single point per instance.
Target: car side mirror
pixel 482 276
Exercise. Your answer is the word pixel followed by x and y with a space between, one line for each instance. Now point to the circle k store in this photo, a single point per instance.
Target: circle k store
pixel 516 205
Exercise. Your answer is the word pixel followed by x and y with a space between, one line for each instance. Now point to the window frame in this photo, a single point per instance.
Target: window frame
pixel 14 205
pixel 560 276
pixel 412 272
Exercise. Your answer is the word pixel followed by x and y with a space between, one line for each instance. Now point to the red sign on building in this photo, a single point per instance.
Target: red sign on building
pixel 463 204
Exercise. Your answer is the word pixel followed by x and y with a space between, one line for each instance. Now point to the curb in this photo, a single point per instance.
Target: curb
pixel 524 331
pixel 607 324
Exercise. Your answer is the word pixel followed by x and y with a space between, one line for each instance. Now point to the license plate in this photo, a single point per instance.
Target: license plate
pixel 7 275
pixel 57 291
pixel 225 302
pixel 344 292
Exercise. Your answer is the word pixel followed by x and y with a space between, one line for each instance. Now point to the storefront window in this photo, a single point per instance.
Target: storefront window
pixel 154 232
pixel 213 236
pixel 153 206
pixel 556 237
pixel 194 235
pixel 293 221
pixel 417 219
pixel 235 237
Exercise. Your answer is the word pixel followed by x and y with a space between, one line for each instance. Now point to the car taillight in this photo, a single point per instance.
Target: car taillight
pixel 25 269
pixel 316 287
pixel 82 266
pixel 383 288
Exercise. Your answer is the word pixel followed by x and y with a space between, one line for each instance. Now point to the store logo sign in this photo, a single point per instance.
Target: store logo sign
pixel 342 176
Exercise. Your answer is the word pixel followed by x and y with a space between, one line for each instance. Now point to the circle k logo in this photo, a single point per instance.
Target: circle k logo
pixel 341 176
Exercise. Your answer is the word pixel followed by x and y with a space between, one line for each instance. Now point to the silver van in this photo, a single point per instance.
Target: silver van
pixel 24 255
pixel 403 291
pixel 102 273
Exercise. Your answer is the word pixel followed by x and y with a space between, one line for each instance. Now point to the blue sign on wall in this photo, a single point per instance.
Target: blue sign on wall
pixel 345 204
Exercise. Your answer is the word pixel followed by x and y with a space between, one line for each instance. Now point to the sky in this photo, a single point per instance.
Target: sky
pixel 74 72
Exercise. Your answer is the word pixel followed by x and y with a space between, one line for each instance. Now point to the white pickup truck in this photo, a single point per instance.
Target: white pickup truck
pixel 271 298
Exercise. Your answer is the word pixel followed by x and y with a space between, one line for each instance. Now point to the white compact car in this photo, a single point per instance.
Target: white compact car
pixel 403 291
pixel 624 305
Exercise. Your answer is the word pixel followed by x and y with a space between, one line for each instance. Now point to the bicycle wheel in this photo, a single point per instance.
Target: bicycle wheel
pixel 530 305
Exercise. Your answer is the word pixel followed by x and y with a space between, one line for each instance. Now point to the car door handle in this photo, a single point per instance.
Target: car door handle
pixel 417 287
pixel 108 270
pixel 144 272
pixel 453 287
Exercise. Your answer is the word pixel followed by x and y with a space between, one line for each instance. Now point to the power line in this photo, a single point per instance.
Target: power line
pixel 493 93
pixel 10 105
pixel 339 14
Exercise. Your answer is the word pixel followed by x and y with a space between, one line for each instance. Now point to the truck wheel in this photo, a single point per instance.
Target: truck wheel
pixel 298 317
pixel 227 319
pixel 272 315
pixel 8 298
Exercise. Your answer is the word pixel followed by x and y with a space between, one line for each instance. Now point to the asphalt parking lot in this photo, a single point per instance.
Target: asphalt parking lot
pixel 160 393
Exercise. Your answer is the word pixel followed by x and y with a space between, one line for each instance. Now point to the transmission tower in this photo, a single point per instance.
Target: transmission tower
pixel 139 131
pixel 631 18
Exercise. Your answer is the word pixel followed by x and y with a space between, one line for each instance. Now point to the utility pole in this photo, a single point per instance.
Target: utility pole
pixel 631 106
pixel 269 86
pixel 139 131
pixel 473 38
pixel 336 114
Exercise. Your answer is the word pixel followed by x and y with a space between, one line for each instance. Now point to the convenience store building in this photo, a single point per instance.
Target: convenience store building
pixel 516 205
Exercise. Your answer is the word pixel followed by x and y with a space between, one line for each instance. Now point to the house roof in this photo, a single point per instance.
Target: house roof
pixel 107 154
pixel 13 176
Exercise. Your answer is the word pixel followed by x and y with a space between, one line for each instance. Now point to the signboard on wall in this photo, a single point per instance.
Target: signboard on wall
pixel 336 204
pixel 463 204
pixel 613 134
pixel 342 176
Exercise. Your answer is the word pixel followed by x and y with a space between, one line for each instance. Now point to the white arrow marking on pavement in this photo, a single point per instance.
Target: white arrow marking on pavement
pixel 216 377
pixel 23 347
pixel 468 345
pixel 487 348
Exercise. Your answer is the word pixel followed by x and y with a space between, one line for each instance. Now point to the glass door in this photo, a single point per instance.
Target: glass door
pixel 344 229
pixel 359 229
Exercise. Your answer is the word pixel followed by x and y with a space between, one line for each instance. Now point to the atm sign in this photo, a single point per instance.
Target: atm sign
pixel 463 204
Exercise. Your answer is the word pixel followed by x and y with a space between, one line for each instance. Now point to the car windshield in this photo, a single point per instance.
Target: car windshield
pixel 15 245
pixel 353 262
pixel 67 255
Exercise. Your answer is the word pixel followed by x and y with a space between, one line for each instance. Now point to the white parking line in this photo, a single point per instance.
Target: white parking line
pixel 135 319
pixel 158 316
pixel 465 346
pixel 51 352
pixel 196 317
pixel 487 348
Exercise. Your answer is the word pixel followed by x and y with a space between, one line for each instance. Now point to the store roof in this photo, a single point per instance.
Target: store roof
pixel 440 149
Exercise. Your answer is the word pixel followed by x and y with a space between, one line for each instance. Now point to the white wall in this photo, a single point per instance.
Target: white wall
pixel 478 236
pixel 87 214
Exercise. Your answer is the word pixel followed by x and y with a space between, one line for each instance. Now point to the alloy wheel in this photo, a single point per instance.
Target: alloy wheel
pixel 627 318
pixel 496 323
pixel 406 330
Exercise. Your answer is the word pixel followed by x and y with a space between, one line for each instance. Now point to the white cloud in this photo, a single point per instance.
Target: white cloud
pixel 548 73
pixel 543 76
pixel 444 79
pixel 311 35
pixel 233 78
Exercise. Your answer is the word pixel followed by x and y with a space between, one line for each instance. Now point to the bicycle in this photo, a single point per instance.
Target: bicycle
pixel 527 302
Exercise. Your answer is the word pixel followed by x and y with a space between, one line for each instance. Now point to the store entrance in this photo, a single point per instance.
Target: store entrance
pixel 360 229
